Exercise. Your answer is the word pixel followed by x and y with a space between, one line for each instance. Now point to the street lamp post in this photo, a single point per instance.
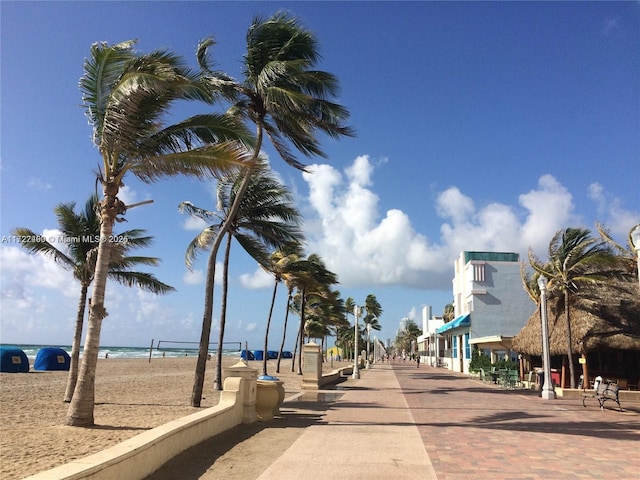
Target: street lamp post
pixel 356 371
pixel 548 393
pixel 635 239
pixel 368 364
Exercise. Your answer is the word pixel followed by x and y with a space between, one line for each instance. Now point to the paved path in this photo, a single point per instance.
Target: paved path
pixel 475 431
pixel 368 433
pixel 406 423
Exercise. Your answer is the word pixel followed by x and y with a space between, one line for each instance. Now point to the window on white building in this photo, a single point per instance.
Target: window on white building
pixel 478 272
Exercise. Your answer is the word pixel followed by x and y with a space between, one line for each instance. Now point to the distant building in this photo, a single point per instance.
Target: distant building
pixel 429 343
pixel 490 305
pixel 403 324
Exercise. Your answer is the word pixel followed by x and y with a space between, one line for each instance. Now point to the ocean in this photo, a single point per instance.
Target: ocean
pixel 166 349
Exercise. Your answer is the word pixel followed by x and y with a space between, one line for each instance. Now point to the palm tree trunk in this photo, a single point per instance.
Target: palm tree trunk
pixel 207 318
pixel 75 347
pixel 301 334
pixel 572 375
pixel 223 311
pixel 266 335
pixel 284 331
pixel 80 413
pixel 205 333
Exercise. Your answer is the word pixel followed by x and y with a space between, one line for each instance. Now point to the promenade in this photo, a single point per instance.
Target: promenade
pixel 403 422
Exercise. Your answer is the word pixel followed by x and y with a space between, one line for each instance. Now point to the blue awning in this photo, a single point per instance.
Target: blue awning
pixel 461 321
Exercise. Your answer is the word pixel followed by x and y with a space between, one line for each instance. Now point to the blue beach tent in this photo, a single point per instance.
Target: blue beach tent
pixel 50 358
pixel 247 355
pixel 258 354
pixel 13 360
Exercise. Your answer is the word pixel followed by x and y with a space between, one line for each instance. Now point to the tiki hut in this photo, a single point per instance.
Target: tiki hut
pixel 605 335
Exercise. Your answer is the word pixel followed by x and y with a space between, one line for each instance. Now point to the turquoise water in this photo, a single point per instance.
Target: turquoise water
pixel 166 350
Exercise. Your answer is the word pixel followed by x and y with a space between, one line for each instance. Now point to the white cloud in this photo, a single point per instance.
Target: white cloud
pixel 25 271
pixel 194 277
pixel 616 218
pixel 365 247
pixel 127 195
pixel 252 327
pixel 257 280
pixel 38 184
pixel 197 277
pixel 194 223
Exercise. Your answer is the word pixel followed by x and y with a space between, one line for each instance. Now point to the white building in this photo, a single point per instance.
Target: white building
pixel 490 306
pixel 430 345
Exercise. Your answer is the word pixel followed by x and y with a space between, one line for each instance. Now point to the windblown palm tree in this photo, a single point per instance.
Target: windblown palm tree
pixel 407 337
pixel 282 95
pixel 126 95
pixel 80 232
pixel 312 277
pixel 576 259
pixel 281 262
pixel 266 219
pixel 295 265
pixel 374 311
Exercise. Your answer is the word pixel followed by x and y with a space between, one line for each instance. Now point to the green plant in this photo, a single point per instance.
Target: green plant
pixel 479 360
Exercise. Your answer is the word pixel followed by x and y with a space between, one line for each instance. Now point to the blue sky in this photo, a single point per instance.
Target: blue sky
pixel 480 126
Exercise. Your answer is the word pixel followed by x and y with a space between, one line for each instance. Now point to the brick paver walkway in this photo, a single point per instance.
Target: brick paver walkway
pixel 477 431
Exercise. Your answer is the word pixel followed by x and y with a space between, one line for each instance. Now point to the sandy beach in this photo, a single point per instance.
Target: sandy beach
pixel 132 395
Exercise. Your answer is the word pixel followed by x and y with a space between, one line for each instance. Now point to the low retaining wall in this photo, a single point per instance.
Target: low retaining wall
pixel 139 456
pixel 335 376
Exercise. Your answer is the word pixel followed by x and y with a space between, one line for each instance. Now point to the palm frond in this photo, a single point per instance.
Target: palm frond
pixel 209 161
pixel 29 241
pixel 145 281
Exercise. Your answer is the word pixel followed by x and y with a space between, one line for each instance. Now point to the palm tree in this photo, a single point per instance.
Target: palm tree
pixel 80 232
pixel 576 259
pixel 266 219
pixel 126 95
pixel 295 265
pixel 281 262
pixel 449 312
pixel 408 336
pixel 281 95
pixel 627 255
pixel 313 276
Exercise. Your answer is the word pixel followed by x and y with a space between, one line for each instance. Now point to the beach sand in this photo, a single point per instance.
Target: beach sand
pixel 132 395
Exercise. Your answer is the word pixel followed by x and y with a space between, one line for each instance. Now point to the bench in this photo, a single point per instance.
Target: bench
pixel 604 392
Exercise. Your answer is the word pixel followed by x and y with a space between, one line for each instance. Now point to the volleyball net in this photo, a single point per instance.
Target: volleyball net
pixel 173 345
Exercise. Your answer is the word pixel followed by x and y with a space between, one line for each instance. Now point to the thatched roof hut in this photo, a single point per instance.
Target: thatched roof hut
pixel 608 319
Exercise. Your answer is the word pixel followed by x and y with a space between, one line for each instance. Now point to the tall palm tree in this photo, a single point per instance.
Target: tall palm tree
pixel 576 259
pixel 374 310
pixel 313 276
pixel 296 264
pixel 627 255
pixel 408 336
pixel 281 262
pixel 349 306
pixel 282 96
pixel 126 95
pixel 266 219
pixel 80 233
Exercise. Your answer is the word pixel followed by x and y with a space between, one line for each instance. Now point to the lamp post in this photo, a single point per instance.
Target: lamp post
pixel 356 371
pixel 635 239
pixel 548 393
pixel 368 364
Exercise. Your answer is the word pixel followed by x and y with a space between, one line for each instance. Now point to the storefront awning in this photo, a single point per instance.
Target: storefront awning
pixel 461 321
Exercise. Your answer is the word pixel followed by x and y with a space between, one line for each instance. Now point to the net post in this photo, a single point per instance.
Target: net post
pixel 150 350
